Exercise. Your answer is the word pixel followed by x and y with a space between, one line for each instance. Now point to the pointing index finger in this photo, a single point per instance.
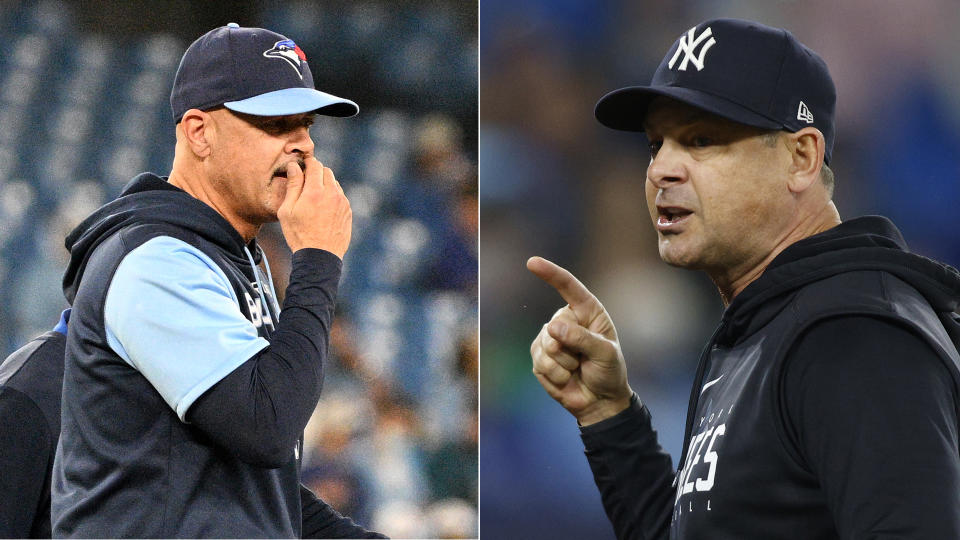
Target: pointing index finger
pixel 583 303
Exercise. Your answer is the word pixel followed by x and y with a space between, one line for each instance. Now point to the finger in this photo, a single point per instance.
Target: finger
pixel 336 184
pixel 329 179
pixel 578 339
pixel 552 371
pixel 556 351
pixel 325 174
pixel 543 363
pixel 313 169
pixel 552 389
pixel 584 304
pixel 295 181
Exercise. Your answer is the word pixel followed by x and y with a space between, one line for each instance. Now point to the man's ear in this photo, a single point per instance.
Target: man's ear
pixel 807 148
pixel 198 131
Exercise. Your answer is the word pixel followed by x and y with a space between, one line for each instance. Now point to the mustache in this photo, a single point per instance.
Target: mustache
pixel 282 170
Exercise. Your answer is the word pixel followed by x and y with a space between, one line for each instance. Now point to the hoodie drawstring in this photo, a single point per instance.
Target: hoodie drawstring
pixel 256 276
pixel 273 291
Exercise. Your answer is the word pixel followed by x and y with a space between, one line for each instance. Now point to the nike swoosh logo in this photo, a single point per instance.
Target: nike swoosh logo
pixel 711 383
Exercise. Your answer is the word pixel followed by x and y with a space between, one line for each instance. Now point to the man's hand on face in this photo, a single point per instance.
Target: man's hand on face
pixel 576 356
pixel 315 213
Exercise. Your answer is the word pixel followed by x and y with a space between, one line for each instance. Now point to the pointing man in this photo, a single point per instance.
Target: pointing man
pixel 826 403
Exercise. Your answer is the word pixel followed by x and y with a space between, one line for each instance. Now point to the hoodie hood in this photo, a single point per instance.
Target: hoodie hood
pixel 866 243
pixel 149 199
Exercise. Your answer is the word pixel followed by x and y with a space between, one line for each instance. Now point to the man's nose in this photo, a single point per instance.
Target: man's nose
pixel 300 142
pixel 667 167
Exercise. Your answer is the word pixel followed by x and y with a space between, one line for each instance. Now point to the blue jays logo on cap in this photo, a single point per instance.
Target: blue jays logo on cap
pixel 287 50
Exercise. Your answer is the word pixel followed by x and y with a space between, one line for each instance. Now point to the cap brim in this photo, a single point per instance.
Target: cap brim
pixel 626 109
pixel 294 101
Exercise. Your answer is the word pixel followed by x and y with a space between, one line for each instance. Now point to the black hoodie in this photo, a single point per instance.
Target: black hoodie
pixel 126 465
pixel 825 406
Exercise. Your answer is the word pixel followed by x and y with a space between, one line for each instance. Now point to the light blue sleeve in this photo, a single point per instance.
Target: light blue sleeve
pixel 172 314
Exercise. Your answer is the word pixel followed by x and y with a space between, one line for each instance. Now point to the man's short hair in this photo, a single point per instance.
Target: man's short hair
pixel 826 176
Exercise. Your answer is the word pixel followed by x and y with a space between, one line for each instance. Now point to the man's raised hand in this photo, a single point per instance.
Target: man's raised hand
pixel 576 356
pixel 315 213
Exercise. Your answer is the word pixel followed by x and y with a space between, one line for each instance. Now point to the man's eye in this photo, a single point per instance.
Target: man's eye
pixel 271 127
pixel 701 141
pixel 654 147
pixel 280 127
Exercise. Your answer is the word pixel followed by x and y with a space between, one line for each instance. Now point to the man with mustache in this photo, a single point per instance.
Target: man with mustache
pixel 185 390
pixel 826 403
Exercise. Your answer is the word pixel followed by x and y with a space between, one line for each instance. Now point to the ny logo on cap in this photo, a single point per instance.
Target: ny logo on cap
pixel 688 44
pixel 287 50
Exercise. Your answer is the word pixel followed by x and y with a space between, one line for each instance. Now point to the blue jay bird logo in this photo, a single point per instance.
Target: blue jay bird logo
pixel 289 51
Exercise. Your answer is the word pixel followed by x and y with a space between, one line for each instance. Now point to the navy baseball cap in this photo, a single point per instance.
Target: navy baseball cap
pixel 252 71
pixel 739 70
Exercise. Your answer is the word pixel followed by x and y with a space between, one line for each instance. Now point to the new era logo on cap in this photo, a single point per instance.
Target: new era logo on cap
pixel 803 113
pixel 745 72
pixel 253 71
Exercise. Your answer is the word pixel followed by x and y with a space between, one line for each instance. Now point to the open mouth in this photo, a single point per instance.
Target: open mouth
pixel 671 217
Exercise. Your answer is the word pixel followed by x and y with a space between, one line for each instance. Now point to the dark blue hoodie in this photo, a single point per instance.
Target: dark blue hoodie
pixel 185 391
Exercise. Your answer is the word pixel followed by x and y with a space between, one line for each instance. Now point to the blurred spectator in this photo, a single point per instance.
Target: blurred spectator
pixel 396 455
pixel 453 518
pixel 444 178
pixel 455 448
pixel 402 519
pixel 341 487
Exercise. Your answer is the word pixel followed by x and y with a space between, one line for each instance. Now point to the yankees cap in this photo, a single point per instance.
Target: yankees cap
pixel 740 70
pixel 253 71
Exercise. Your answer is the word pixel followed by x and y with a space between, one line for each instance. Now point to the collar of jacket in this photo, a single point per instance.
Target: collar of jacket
pixel 150 199
pixel 866 243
